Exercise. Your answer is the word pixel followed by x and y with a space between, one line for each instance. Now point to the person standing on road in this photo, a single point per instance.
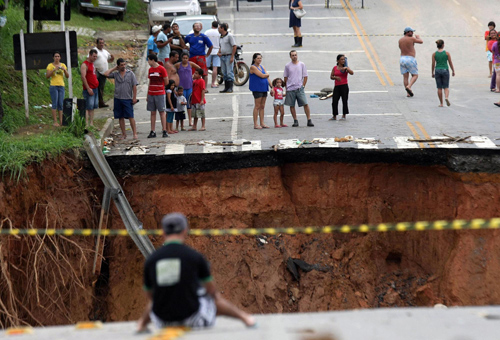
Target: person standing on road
pixel 177 43
pixel 259 85
pixel 493 40
pixel 173 277
pixel 152 48
pixel 198 42
pixel 184 69
pixel 295 22
pixel 125 95
pixel 341 89
pixel 227 51
pixel 171 69
pixel 90 87
pixel 56 72
pixel 489 56
pixel 407 62
pixel 158 79
pixel 295 76
pixel 214 59
pixel 163 44
pixel 101 65
pixel 440 61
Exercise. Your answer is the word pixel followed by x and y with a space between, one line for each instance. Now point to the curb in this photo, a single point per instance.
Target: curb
pixel 106 131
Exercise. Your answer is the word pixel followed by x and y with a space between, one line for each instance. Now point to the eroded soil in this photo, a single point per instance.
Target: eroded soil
pixel 355 270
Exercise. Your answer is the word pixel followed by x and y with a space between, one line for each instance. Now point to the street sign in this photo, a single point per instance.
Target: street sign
pixel 40 48
pixel 46 13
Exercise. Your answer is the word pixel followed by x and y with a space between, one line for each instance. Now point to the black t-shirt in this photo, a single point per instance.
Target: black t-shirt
pixel 175 41
pixel 173 273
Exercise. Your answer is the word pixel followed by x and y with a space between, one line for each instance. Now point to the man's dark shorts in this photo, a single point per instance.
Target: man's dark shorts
pixel 123 108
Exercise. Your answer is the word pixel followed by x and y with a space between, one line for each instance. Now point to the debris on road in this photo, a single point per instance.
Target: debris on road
pixel 445 140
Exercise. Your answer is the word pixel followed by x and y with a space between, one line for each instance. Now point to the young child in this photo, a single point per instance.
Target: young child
pixel 198 99
pixel 181 109
pixel 278 102
pixel 171 106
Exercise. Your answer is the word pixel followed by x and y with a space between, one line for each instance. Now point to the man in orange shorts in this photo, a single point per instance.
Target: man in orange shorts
pixel 198 42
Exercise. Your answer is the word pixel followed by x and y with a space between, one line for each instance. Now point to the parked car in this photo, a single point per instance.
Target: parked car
pixel 160 11
pixel 113 7
pixel 208 6
pixel 186 22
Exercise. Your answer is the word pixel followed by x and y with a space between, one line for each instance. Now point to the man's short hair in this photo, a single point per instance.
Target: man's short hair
pixel 174 223
pixel 224 26
pixel 166 25
pixel 198 22
pixel 292 52
pixel 215 24
pixel 119 61
pixel 492 23
pixel 92 52
pixel 173 54
pixel 98 39
pixel 152 57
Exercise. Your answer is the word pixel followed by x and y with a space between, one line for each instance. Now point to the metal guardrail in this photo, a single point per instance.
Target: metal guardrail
pixel 115 191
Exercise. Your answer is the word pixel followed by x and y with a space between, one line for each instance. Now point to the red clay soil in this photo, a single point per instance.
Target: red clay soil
pixel 359 270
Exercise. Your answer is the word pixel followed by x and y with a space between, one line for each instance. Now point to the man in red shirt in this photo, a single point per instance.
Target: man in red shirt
pixel 198 99
pixel 158 79
pixel 90 85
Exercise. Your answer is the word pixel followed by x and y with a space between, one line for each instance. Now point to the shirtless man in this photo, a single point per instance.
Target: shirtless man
pixel 407 62
pixel 171 69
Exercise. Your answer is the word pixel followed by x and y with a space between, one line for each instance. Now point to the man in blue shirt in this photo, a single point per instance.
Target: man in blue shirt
pixel 163 44
pixel 197 43
pixel 152 48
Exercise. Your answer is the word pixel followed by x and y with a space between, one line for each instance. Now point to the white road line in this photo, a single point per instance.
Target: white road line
pixel 289 143
pixel 444 145
pixel 174 149
pixel 291 34
pixel 305 51
pixel 287 18
pixel 455 1
pixel 483 142
pixel 234 125
pixel 402 143
pixel 367 146
pixel 209 148
pixel 329 143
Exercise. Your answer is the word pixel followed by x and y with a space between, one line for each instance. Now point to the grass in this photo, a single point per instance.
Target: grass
pixel 17 149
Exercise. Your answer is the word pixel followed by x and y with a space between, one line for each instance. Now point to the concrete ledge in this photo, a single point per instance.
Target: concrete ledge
pixel 106 130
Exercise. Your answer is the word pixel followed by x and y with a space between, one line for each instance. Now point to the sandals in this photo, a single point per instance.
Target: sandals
pixel 410 92
pixel 277 126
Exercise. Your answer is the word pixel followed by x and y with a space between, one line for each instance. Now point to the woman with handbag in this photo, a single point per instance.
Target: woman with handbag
pixel 296 13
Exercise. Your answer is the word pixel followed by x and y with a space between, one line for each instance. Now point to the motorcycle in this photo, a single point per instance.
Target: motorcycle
pixel 241 70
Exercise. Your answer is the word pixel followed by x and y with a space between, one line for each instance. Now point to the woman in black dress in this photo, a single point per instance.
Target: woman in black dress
pixel 295 23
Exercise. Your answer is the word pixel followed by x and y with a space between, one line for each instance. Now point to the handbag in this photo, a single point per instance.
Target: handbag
pixel 299 13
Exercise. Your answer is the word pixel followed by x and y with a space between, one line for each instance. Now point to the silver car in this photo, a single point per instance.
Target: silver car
pixel 186 22
pixel 113 7
pixel 160 11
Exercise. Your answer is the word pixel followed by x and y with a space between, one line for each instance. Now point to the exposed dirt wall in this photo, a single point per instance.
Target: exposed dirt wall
pixel 356 270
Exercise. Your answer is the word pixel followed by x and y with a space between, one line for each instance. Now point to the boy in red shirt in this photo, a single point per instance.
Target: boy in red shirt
pixel 198 99
pixel 158 78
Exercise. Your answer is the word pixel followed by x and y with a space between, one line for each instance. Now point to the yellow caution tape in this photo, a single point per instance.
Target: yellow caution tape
pixel 19 331
pixel 474 224
pixel 88 324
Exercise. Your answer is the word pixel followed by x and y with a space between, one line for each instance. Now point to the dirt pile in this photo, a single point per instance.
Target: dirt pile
pixel 349 270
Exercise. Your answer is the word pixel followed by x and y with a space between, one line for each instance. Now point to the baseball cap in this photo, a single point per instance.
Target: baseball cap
pixel 174 223
pixel 409 29
pixel 156 28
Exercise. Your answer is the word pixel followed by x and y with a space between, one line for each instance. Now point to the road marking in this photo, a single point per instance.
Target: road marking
pixel 375 55
pixel 289 143
pixel 174 149
pixel 477 21
pixel 403 143
pixel 305 51
pixel 329 143
pixel 368 145
pixel 421 127
pixel 291 34
pixel 364 46
pixel 415 133
pixel 325 71
pixel 307 92
pixel 455 1
pixel 445 145
pixel 483 142
pixel 234 125
pixel 256 145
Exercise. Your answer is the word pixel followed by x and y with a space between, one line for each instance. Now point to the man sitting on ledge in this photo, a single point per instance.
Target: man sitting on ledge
pixel 178 284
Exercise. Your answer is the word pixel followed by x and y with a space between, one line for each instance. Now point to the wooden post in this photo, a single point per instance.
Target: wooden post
pixel 25 77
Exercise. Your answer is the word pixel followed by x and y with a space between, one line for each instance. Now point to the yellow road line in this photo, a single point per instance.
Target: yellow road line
pixel 415 133
pixel 421 127
pixel 363 45
pixel 375 55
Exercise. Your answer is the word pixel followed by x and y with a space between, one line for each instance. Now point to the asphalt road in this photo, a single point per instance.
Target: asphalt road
pixel 381 116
